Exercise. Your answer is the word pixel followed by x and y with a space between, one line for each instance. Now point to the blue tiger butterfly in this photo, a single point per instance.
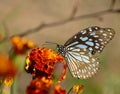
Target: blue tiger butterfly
pixel 79 50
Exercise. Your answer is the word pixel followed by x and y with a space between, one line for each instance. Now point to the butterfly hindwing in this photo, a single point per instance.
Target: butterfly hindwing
pixel 81 63
pixel 93 38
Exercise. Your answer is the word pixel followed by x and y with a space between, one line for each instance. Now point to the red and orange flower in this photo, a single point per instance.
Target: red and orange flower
pixel 58 90
pixel 41 62
pixel 44 86
pixel 39 86
pixel 44 64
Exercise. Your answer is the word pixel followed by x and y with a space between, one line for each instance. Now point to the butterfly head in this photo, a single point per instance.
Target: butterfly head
pixel 61 50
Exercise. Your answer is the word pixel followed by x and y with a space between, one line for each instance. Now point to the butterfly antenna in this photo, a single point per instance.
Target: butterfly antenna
pixel 47 42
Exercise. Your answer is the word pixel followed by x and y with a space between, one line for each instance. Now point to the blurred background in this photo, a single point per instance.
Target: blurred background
pixel 56 21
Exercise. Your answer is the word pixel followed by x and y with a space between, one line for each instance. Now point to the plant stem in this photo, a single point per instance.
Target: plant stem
pixel 14 86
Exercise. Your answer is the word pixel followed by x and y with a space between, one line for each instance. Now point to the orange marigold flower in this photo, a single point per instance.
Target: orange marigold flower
pixel 43 60
pixel 77 89
pixel 44 86
pixel 59 90
pixel 21 45
pixel 7 69
pixel 39 86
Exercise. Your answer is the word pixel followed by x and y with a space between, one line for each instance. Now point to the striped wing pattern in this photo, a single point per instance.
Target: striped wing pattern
pixel 93 38
pixel 81 63
pixel 79 50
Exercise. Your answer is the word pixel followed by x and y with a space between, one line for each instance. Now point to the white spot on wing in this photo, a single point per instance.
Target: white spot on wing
pixel 90 49
pixel 75 37
pixel 89 43
pixel 83 38
pixel 74 43
pixel 104 34
pixel 84 32
pixel 90 29
pixel 81 46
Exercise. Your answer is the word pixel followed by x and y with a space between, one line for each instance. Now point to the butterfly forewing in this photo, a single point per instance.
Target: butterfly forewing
pixel 81 63
pixel 93 39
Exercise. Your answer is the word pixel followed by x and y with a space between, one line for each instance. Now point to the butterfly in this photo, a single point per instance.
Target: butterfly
pixel 80 49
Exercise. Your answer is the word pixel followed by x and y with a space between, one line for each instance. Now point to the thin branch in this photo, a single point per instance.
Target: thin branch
pixel 39 27
pixel 112 4
pixel 75 9
pixel 97 14
pixel 65 21
pixel 6 32
pixel 6 29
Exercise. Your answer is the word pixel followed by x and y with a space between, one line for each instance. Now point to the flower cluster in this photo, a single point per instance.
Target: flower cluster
pixel 41 63
pixel 39 86
pixel 58 90
pixel 21 45
pixel 44 65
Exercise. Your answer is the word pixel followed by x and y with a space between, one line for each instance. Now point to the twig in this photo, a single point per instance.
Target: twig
pixel 6 33
pixel 32 30
pixel 69 19
pixel 75 9
pixel 112 4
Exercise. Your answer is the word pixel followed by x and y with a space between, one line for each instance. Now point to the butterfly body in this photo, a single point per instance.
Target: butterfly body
pixel 61 50
pixel 80 48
